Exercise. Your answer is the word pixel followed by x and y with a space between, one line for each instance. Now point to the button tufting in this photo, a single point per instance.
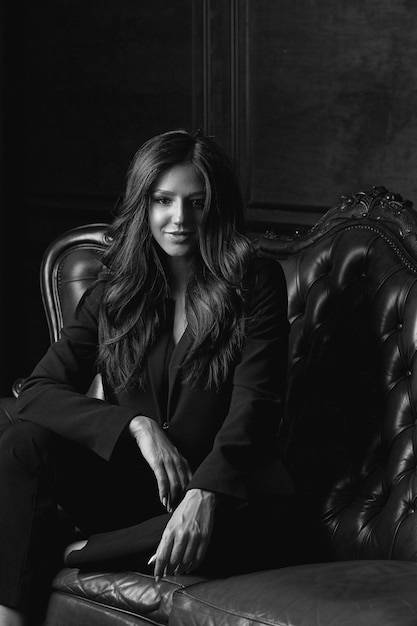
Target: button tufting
pixel 399 327
pixel 411 511
pixel 408 373
pixel 165 425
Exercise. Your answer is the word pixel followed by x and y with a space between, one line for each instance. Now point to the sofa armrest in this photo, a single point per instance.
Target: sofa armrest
pixel 17 386
pixel 7 413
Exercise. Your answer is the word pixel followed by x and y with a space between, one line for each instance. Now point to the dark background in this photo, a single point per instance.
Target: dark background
pixel 312 99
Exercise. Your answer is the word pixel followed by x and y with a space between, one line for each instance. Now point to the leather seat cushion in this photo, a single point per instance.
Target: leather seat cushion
pixel 114 598
pixel 344 593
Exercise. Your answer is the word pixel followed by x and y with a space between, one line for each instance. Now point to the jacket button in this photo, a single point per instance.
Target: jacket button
pixel 165 426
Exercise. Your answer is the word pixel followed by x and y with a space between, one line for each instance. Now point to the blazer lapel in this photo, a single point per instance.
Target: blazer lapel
pixel 155 365
pixel 177 358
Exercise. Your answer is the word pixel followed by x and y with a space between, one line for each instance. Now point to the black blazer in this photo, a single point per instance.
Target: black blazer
pixel 228 436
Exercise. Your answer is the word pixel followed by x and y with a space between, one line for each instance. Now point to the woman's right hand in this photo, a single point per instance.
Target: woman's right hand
pixel 171 470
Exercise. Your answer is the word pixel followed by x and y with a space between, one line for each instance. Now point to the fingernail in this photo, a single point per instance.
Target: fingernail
pixel 152 559
pixel 157 579
pixel 164 503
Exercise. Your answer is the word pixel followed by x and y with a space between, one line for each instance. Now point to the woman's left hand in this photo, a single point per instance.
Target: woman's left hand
pixel 187 534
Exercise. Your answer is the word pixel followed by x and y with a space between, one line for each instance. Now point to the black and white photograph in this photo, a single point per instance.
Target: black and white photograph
pixel 208 322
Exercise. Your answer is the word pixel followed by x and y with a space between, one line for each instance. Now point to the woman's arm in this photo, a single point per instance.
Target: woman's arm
pixel 247 437
pixel 187 535
pixel 171 470
pixel 54 395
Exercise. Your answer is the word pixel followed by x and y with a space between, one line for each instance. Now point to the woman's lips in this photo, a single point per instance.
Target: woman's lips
pixel 179 235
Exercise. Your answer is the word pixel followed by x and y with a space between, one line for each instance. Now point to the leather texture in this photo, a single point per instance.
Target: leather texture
pixel 69 266
pixel 348 438
pixel 353 593
pixel 132 593
pixel 70 610
pixel 351 402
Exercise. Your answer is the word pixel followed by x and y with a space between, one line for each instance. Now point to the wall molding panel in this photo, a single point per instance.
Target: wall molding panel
pixel 222 102
pixel 310 100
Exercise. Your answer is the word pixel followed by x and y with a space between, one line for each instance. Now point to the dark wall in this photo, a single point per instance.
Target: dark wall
pixel 100 78
pixel 335 108
pixel 86 83
pixel 2 203
pixel 321 101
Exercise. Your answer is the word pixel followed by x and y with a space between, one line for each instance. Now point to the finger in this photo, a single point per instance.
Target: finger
pixel 185 473
pixel 201 549
pixel 163 554
pixel 188 557
pixel 176 558
pixel 162 480
pixel 181 477
pixel 195 558
pixel 173 475
pixel 175 484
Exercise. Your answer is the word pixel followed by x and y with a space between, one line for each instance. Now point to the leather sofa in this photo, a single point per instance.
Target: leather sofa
pixel 349 436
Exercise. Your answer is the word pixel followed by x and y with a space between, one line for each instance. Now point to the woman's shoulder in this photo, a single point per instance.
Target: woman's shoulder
pixel 91 298
pixel 265 295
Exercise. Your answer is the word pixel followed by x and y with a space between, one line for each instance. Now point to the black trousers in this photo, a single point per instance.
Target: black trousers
pixel 39 470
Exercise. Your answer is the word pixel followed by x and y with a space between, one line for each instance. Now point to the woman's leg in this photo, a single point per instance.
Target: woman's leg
pixel 28 515
pixel 39 469
pixel 102 496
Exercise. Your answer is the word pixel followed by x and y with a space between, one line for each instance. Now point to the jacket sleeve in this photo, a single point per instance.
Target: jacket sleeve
pixel 245 444
pixel 54 395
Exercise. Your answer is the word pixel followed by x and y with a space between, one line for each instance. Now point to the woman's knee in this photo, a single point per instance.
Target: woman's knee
pixel 25 443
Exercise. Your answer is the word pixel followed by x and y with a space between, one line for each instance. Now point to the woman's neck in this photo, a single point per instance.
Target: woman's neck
pixel 179 269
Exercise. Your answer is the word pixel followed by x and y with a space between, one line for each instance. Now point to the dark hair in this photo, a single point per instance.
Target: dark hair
pixel 136 284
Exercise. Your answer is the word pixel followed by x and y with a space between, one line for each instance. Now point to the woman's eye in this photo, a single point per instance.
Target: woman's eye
pixel 161 200
pixel 196 203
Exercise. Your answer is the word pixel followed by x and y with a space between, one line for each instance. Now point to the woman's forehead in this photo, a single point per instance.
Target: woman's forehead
pixel 183 178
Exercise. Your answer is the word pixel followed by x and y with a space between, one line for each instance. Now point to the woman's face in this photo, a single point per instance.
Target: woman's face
pixel 176 210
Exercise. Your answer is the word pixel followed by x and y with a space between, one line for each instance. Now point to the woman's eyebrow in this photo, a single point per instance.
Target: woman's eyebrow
pixel 158 190
pixel 199 192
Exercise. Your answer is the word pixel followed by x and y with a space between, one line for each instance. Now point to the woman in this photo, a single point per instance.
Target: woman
pixel 188 329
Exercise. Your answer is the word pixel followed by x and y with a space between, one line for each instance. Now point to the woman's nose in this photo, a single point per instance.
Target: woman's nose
pixel 179 212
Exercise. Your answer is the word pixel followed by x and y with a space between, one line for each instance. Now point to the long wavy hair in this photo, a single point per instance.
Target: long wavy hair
pixel 133 307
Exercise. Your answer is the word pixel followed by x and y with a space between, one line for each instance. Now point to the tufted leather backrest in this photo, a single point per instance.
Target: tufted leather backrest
pixel 351 412
pixel 349 433
pixel 69 266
